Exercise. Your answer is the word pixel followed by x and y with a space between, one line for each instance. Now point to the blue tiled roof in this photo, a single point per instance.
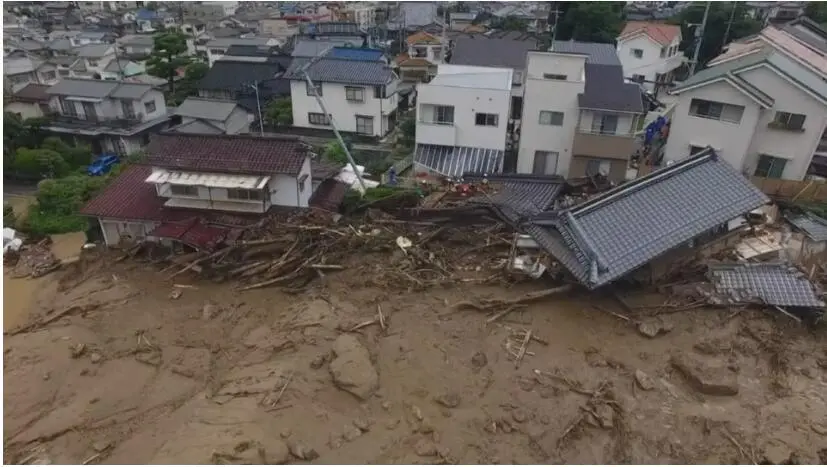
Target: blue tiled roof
pixel 354 53
pixel 613 234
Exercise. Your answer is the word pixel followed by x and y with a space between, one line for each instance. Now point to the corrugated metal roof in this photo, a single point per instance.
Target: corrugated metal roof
pixel 811 225
pixel 333 70
pixel 617 232
pixel 250 182
pixel 765 283
pixel 454 161
pixel 208 109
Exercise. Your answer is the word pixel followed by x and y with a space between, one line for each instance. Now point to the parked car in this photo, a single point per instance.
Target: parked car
pixel 102 165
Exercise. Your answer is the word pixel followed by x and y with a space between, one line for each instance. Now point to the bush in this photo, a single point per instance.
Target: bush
pixel 9 218
pixel 58 202
pixel 40 162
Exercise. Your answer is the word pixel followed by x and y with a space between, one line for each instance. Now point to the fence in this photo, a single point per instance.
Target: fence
pixel 811 191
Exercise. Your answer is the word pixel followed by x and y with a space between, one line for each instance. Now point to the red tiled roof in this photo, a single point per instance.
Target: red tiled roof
pixel 663 34
pixel 422 37
pixel 193 232
pixel 227 153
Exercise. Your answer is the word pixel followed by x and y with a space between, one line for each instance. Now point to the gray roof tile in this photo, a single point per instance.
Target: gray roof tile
pixel 617 232
pixel 763 283
pixel 94 50
pixel 599 54
pixel 314 48
pixel 505 53
pixel 130 91
pixel 519 196
pixel 208 109
pixel 332 70
pixel 811 225
pixel 83 87
pixel 607 90
pixel 454 161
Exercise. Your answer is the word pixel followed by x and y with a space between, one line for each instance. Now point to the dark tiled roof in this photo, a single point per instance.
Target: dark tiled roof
pixel 332 29
pixel 599 54
pixel 32 93
pixel 227 153
pixel 234 75
pixel 240 50
pixel 607 90
pixel 520 196
pixel 192 232
pixel 333 70
pixel 356 53
pixel 811 225
pixel 329 195
pixel 617 232
pixel 456 160
pixel 505 53
pixel 322 169
pixel 764 283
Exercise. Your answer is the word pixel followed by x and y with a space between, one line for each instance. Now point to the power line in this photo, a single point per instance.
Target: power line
pixel 699 38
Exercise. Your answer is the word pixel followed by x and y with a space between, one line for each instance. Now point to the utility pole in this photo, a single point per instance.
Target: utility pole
pixel 699 38
pixel 258 104
pixel 729 24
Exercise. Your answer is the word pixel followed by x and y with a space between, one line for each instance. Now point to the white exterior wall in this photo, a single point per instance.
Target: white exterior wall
pixel 343 111
pixel 796 147
pixel 99 63
pixel 24 109
pixel 731 140
pixel 238 122
pixel 651 63
pixel 430 54
pixel 625 121
pixel 467 103
pixel 113 228
pixel 550 95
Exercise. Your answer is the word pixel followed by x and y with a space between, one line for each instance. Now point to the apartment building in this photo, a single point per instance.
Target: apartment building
pixel 762 104
pixel 111 116
pixel 461 120
pixel 649 52
pixel 193 182
pixel 360 95
pixel 579 116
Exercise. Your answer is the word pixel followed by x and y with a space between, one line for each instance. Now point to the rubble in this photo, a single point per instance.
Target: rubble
pixel 352 369
pixel 644 381
pixel 706 379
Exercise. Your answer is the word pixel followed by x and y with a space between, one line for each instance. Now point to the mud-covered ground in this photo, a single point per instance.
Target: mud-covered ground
pixel 131 375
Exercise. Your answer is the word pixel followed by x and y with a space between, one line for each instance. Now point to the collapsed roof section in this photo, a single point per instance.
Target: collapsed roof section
pixel 777 284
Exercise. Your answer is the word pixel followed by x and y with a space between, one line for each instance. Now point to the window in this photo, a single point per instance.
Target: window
pixel 716 110
pixel 517 78
pixel 63 72
pixel 770 167
pixel 217 51
pixel 663 51
pixel 420 52
pixel 548 117
pixel 554 76
pixel 638 78
pixel 318 87
pixel 354 94
pixel 545 163
pixel 695 149
pixel 364 125
pixel 183 190
pixel 128 109
pixel 486 119
pixel 437 53
pixel 597 167
pixel 788 121
pixel 315 118
pixel 444 114
pixel 49 75
pixel 244 195
pixel 637 53
pixel 604 124
pixel 68 108
pixel 149 106
pixel 380 92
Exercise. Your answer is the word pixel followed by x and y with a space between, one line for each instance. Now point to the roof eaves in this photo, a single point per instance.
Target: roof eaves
pixel 820 97
pixel 749 90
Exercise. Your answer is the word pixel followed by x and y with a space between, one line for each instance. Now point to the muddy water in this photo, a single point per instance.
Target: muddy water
pixel 20 295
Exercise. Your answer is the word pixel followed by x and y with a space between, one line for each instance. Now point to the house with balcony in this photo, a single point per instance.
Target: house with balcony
pixel 461 120
pixel 360 95
pixel 111 116
pixel 762 104
pixel 425 52
pixel 649 52
pixel 579 114
pixel 95 59
pixel 192 187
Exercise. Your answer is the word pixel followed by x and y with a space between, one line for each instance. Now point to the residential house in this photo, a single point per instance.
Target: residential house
pixel 337 32
pixel 19 70
pixel 212 117
pixel 461 120
pixel 217 48
pixel 649 52
pixel 460 21
pixel 360 96
pixel 497 53
pixel 277 27
pixel 136 46
pixel 425 52
pixel 251 53
pixel 579 115
pixel 95 59
pixel 111 116
pixel 635 228
pixel 29 102
pixel 309 48
pixel 237 80
pixel 121 69
pixel 762 104
pixel 412 16
pixel 192 181
pixel 775 12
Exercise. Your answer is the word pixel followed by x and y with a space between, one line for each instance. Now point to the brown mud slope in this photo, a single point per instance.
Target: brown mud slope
pixel 130 375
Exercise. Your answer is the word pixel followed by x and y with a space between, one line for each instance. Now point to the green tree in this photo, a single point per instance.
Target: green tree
pixel 168 55
pixel 279 112
pixel 509 23
pixel 75 156
pixel 40 163
pixel 408 132
pixel 334 152
pixel 817 11
pixel 18 133
pixel 716 26
pixel 188 85
pixel 591 22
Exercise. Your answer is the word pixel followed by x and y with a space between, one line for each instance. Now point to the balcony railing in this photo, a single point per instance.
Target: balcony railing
pixel 95 120
pixel 606 146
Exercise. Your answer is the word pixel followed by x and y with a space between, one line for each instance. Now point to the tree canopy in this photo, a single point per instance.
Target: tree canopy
pixel 188 84
pixel 509 23
pixel 716 26
pixel 591 22
pixel 279 112
pixel 817 11
pixel 169 51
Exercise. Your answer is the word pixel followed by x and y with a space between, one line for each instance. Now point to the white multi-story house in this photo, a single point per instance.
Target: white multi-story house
pixel 762 105
pixel 359 95
pixel 194 186
pixel 111 116
pixel 579 116
pixel 461 120
pixel 649 52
